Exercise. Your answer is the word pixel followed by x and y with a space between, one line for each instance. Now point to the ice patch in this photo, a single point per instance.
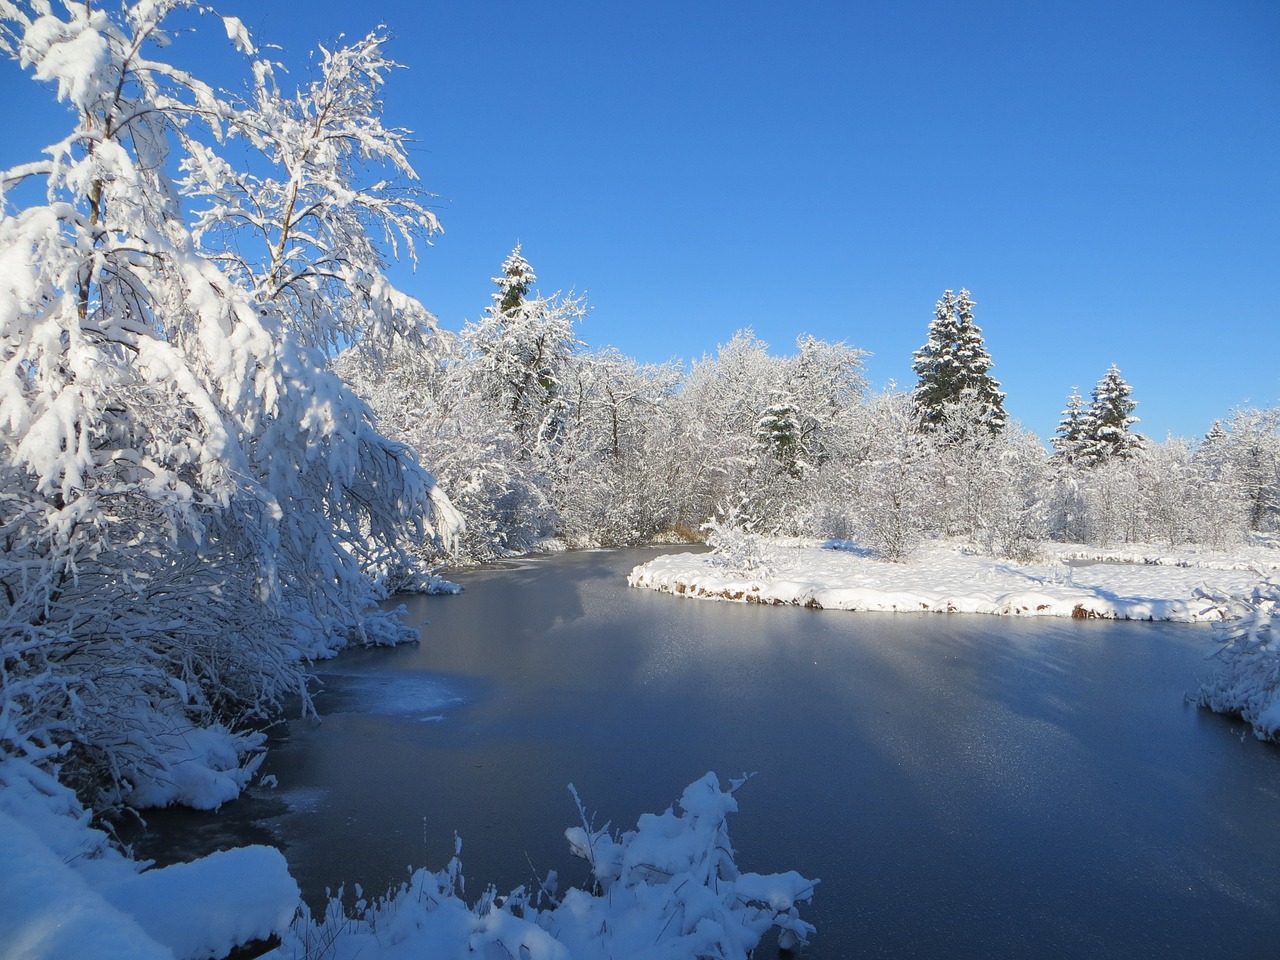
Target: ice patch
pixel 396 695
pixel 304 799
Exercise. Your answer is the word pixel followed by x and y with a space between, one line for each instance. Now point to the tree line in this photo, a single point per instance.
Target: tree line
pixel 538 439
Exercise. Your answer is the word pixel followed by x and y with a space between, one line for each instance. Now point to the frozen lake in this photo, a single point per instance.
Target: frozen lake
pixel 964 786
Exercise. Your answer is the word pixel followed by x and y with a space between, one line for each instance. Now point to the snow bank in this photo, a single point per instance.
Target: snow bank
pixel 1248 684
pixel 668 890
pixel 50 913
pixel 67 894
pixel 1261 553
pixel 207 907
pixel 944 578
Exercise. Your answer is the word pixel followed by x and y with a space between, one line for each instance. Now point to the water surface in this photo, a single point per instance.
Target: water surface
pixel 964 786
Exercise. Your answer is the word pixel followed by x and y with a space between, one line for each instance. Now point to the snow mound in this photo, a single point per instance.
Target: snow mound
pixel 211 905
pixel 197 767
pixel 68 894
pixel 945 578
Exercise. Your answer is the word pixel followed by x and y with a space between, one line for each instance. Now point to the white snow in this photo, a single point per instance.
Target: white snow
pixel 197 767
pixel 668 889
pixel 1130 584
pixel 203 908
pixel 66 894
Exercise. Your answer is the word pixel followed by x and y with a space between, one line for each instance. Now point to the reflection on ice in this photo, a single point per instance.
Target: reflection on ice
pixel 406 695
pixel 303 799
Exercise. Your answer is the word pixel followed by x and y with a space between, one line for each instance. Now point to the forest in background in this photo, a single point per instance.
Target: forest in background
pixel 538 440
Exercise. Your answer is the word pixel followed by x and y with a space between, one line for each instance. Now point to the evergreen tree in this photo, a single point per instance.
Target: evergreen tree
pixel 778 434
pixel 514 285
pixel 523 344
pixel 1071 428
pixel 1106 427
pixel 953 368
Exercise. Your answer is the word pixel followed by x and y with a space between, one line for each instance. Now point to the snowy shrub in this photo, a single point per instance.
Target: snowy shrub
pixel 1249 682
pixel 735 545
pixel 106 656
pixel 668 890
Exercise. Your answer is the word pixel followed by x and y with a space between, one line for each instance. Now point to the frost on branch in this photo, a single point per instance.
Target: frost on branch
pixel 1248 684
pixel 190 500
pixel 311 235
pixel 668 890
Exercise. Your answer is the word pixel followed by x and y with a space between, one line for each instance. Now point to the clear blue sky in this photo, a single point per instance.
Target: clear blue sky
pixel 1103 176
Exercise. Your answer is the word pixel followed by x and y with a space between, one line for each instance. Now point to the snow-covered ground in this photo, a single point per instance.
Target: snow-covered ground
pixel 1133 583
pixel 668 890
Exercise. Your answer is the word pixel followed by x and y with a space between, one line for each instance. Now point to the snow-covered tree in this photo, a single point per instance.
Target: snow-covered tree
pixel 1106 429
pixel 171 452
pixel 1245 452
pixel 953 366
pixel 777 435
pixel 609 469
pixel 1014 521
pixel 1168 482
pixel 1071 428
pixel 988 487
pixel 312 231
pixel 1221 512
pixel 1110 497
pixel 826 384
pixel 719 406
pixel 422 396
pixel 888 492
pixel 520 348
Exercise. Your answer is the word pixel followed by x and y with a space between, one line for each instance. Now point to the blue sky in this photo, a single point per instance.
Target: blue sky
pixel 1102 176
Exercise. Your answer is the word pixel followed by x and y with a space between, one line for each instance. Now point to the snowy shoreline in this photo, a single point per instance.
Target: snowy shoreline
pixel 1134 583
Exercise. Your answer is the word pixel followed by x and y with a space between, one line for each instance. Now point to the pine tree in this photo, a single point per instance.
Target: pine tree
pixel 953 370
pixel 514 285
pixel 778 434
pixel 523 344
pixel 1106 426
pixel 1071 428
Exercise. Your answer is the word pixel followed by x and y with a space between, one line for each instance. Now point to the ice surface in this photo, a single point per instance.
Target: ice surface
pixel 401 694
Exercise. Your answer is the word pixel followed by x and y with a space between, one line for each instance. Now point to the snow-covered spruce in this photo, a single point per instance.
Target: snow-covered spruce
pixel 1248 683
pixel 668 890
pixel 953 370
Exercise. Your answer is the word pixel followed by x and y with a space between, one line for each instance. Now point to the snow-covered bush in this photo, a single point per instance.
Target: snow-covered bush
pixel 891 501
pixel 736 546
pixel 668 890
pixel 1249 682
